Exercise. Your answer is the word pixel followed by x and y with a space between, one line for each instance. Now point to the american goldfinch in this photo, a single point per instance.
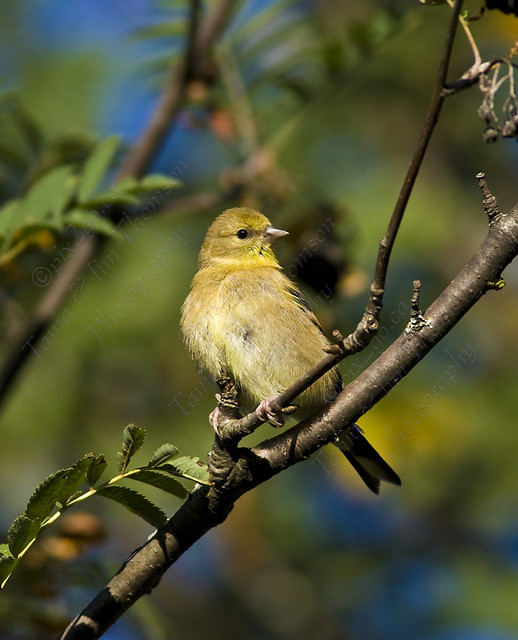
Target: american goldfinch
pixel 244 319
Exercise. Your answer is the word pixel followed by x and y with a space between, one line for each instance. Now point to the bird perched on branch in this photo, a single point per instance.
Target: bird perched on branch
pixel 244 319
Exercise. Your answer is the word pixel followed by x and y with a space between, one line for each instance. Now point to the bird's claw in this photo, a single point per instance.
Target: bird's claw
pixel 215 416
pixel 267 413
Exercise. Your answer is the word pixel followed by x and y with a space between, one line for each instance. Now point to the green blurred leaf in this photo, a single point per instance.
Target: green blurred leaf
pixel 104 199
pixel 90 221
pixel 47 199
pixel 21 532
pixel 161 481
pixel 188 467
pixel 162 454
pixel 126 184
pixel 132 440
pixel 155 182
pixel 136 503
pixel 96 166
pixel 96 469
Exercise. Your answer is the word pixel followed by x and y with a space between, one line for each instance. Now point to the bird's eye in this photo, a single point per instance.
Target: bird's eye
pixel 242 234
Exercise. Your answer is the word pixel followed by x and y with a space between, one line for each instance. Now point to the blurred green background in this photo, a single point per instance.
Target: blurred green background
pixel 328 97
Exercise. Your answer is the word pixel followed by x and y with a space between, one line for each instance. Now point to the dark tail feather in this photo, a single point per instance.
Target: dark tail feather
pixel 365 460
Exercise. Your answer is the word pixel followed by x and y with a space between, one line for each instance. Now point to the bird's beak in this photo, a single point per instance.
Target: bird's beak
pixel 271 234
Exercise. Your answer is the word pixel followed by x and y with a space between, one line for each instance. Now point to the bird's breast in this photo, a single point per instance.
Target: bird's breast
pixel 247 324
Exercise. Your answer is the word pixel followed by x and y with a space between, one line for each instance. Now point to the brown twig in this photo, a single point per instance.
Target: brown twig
pixel 491 208
pixel 432 116
pixel 498 250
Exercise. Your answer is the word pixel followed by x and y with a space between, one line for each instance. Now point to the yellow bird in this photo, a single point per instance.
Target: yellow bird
pixel 243 318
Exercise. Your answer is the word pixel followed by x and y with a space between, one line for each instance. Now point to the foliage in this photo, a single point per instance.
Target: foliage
pixel 64 197
pixel 61 491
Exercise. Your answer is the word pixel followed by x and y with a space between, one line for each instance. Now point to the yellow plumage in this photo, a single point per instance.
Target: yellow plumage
pixel 245 319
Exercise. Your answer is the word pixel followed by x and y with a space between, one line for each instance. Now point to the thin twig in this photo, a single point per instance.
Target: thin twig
pixel 477 60
pixel 498 250
pixel 432 116
pixel 490 203
pixel 368 325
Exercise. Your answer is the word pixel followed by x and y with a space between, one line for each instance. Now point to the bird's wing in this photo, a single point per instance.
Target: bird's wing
pixel 301 302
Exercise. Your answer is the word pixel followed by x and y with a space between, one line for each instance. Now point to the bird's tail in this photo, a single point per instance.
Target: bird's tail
pixel 364 458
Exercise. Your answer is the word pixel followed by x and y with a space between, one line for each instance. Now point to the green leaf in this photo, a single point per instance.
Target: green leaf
pixel 132 440
pixel 156 182
pixel 126 184
pixel 4 549
pixel 162 454
pixel 104 199
pixel 7 565
pixel 188 467
pixel 161 481
pixel 47 199
pixel 136 503
pixel 90 221
pixel 21 532
pixel 96 166
pixel 46 495
pixel 74 479
pixel 57 489
pixel 96 469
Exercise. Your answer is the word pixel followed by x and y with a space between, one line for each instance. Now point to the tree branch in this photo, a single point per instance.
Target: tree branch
pixel 243 469
pixel 369 323
pixel 484 269
pixel 431 118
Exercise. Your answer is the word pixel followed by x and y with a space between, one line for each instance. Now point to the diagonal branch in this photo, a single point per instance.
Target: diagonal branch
pixel 481 274
pixel 209 506
pixel 432 116
pixel 369 323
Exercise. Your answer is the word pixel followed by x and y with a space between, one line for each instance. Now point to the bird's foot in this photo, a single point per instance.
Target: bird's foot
pixel 268 413
pixel 226 411
pixel 215 417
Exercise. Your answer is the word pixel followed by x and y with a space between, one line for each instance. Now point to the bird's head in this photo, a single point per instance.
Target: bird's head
pixel 241 236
